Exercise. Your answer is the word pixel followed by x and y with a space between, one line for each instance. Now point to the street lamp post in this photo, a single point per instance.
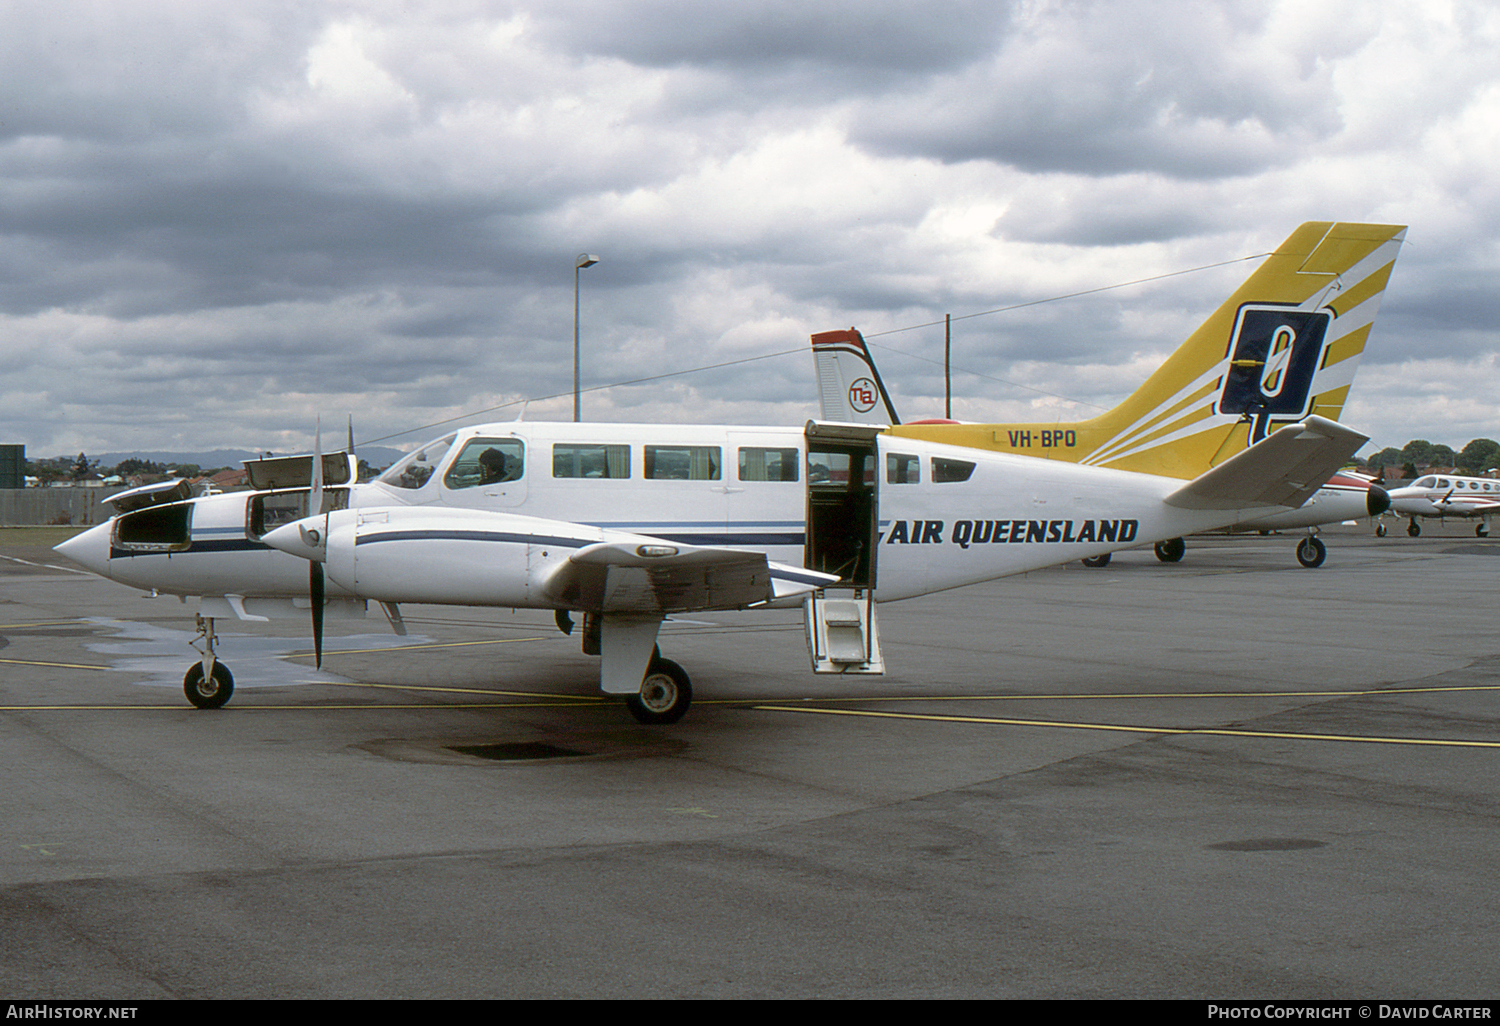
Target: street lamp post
pixel 584 260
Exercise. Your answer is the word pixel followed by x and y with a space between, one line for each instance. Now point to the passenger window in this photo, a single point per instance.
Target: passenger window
pixel 946 471
pixel 486 461
pixel 682 462
pixel 902 469
pixel 768 464
pixel 594 461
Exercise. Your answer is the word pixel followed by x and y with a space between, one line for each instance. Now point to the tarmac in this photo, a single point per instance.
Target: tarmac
pixel 1225 778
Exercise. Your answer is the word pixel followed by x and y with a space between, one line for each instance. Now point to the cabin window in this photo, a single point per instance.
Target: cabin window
pixel 946 471
pixel 682 462
pixel 416 470
pixel 487 461
pixel 902 469
pixel 768 464
pixel 594 461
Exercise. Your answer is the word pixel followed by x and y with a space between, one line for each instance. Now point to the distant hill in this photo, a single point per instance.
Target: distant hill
pixel 375 455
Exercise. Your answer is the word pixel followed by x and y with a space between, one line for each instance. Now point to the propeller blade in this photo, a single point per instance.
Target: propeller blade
pixel 315 593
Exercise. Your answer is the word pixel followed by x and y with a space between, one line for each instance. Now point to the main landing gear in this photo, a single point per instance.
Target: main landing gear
pixel 208 682
pixel 1171 551
pixel 1412 528
pixel 665 693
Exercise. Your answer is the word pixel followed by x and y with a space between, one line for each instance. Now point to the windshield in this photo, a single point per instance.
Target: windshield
pixel 416 470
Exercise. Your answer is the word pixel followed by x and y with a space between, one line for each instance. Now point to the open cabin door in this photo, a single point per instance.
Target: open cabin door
pixel 843 513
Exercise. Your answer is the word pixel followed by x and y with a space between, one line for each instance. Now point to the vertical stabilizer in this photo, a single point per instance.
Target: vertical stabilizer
pixel 849 387
pixel 1283 347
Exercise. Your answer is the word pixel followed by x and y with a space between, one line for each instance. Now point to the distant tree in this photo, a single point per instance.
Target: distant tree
pixel 1387 457
pixel 1442 456
pixel 1479 455
pixel 81 467
pixel 1408 470
pixel 128 467
pixel 1418 452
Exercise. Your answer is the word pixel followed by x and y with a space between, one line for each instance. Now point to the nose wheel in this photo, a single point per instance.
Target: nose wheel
pixel 211 691
pixel 208 682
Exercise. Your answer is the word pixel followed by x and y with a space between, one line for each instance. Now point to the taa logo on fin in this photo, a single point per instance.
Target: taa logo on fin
pixel 1273 356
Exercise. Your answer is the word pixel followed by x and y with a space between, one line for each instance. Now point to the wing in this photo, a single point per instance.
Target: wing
pixel 655 576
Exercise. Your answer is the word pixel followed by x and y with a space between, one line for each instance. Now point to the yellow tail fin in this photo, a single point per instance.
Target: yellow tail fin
pixel 1283 346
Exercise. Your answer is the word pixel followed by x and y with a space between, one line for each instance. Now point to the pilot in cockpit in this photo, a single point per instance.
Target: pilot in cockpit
pixel 494 467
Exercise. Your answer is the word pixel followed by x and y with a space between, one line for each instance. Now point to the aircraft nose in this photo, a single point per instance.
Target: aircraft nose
pixel 89 549
pixel 1378 501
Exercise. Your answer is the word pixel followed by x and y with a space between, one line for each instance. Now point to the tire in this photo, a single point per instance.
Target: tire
pixel 1096 561
pixel 1311 552
pixel 1412 529
pixel 1380 530
pixel 1171 550
pixel 665 694
pixel 1481 530
pixel 210 694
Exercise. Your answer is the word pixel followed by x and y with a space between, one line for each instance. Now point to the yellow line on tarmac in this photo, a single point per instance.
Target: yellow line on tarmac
pixel 41 623
pixel 239 707
pixel 1221 732
pixel 61 666
pixel 456 690
pixel 1055 696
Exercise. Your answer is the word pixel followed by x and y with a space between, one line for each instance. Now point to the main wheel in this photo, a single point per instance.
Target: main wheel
pixel 1412 529
pixel 1311 552
pixel 1171 550
pixel 1481 530
pixel 665 694
pixel 1096 561
pixel 211 693
pixel 1380 530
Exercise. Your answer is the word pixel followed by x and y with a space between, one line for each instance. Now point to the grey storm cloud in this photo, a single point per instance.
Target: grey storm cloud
pixel 219 222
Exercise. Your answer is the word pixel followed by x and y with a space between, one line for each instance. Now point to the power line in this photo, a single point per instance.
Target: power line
pixel 877 334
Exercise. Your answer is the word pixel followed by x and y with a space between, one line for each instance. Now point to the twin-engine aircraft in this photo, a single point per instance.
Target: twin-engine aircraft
pixel 1445 495
pixel 626 524
pixel 629 523
pixel 1285 345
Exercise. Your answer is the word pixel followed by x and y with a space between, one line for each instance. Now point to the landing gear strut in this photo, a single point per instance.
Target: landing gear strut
pixel 665 693
pixel 1412 528
pixel 208 682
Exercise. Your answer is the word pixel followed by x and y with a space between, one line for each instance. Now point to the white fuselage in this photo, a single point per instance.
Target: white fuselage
pixel 945 516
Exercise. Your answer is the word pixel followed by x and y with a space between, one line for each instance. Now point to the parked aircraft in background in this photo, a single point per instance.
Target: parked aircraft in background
pixel 1286 344
pixel 1447 495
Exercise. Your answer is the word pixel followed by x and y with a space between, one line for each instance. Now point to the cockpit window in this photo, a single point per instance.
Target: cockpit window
pixel 417 469
pixel 486 461
pixel 1426 482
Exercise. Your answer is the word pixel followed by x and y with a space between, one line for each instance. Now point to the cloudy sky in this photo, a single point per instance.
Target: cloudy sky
pixel 220 221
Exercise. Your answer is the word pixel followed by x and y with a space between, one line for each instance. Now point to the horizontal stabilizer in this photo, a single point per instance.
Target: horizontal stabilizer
pixel 1283 470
